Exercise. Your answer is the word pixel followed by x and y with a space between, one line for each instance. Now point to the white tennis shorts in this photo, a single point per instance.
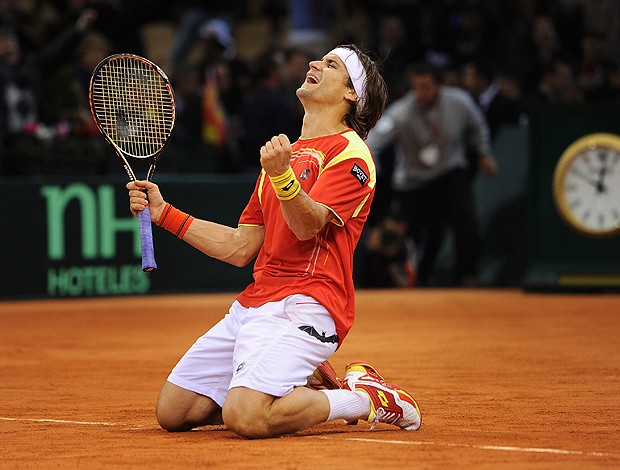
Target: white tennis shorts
pixel 271 349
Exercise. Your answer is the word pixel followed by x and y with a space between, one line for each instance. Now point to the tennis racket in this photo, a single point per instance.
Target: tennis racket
pixel 132 103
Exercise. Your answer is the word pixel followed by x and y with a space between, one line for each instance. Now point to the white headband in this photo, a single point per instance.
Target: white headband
pixel 356 71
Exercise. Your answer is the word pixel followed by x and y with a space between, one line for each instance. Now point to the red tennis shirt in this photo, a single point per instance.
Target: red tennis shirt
pixel 336 171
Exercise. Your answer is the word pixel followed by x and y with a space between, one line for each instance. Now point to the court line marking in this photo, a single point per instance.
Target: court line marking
pixel 66 421
pixel 539 450
pixel 61 421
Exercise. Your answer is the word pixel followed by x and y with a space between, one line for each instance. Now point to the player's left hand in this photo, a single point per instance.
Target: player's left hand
pixel 275 155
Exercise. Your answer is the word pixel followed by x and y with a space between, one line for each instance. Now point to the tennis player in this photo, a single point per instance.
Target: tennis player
pixel 302 223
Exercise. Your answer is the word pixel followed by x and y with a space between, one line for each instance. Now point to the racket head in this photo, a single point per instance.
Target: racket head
pixel 132 102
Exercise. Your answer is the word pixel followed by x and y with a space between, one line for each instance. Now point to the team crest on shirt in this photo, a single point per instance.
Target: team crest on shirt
pixel 360 174
pixel 304 175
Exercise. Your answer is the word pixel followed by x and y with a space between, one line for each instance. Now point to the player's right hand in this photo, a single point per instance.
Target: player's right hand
pixel 275 155
pixel 143 194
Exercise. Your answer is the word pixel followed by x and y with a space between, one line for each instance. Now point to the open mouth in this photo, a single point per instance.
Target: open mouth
pixel 311 79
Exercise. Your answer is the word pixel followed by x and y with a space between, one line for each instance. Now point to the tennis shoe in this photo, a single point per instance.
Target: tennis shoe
pixel 388 403
pixel 324 378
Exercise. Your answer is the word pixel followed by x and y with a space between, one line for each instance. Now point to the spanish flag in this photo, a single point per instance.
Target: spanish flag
pixel 213 117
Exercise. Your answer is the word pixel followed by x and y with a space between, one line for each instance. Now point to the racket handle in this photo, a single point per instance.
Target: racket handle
pixel 146 241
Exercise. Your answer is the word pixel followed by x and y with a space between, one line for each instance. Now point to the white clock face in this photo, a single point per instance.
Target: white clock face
pixel 587 187
pixel 592 189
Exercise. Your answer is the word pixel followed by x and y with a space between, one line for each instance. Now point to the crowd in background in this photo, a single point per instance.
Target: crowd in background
pixel 510 55
pixel 526 51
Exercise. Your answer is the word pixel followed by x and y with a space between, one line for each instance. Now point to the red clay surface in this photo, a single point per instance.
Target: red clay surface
pixel 505 379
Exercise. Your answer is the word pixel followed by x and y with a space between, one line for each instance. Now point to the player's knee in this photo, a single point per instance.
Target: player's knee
pixel 250 414
pixel 170 419
pixel 181 410
pixel 246 423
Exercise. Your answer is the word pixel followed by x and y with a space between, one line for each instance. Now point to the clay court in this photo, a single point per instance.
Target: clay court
pixel 505 379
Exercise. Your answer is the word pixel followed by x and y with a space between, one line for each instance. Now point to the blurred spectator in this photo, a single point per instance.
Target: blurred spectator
pixel 389 258
pixel 592 69
pixel 472 31
pixel 541 48
pixel 225 83
pixel 450 76
pixel 518 17
pixel 603 16
pixel 396 49
pixel 297 64
pixel 431 127
pixel 119 21
pixel 310 25
pixel 25 110
pixel 122 21
pixel 267 111
pixel 276 12
pixel 188 98
pixel 187 151
pixel 33 22
pixel 557 86
pixel 68 87
pixel 541 39
pixel 498 95
pixel 193 17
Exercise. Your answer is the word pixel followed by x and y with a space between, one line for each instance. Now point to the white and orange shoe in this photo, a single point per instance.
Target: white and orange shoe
pixel 388 403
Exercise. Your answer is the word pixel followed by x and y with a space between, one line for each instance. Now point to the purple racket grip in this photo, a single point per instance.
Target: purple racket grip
pixel 146 241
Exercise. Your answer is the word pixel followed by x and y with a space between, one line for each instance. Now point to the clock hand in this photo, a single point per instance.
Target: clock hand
pixel 585 177
pixel 600 187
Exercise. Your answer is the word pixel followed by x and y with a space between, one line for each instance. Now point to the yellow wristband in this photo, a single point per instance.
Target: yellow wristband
pixel 286 185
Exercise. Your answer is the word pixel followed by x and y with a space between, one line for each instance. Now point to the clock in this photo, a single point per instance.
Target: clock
pixel 586 185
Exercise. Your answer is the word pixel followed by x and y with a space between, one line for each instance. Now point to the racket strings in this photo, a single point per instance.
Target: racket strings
pixel 134 106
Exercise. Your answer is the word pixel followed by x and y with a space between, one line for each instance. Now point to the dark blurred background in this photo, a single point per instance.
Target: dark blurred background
pixel 235 67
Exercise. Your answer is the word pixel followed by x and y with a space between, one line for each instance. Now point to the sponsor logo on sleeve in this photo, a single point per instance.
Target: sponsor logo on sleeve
pixel 361 176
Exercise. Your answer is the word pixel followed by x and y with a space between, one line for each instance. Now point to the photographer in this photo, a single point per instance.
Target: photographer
pixel 389 255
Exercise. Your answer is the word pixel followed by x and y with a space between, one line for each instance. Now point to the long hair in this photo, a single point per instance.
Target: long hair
pixel 376 93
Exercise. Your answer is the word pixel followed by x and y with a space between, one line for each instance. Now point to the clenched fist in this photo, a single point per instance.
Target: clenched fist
pixel 275 155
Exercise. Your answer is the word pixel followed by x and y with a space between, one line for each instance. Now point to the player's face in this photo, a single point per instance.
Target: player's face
pixel 326 81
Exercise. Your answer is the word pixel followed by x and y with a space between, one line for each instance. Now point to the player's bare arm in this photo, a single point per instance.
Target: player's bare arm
pixel 236 246
pixel 303 215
